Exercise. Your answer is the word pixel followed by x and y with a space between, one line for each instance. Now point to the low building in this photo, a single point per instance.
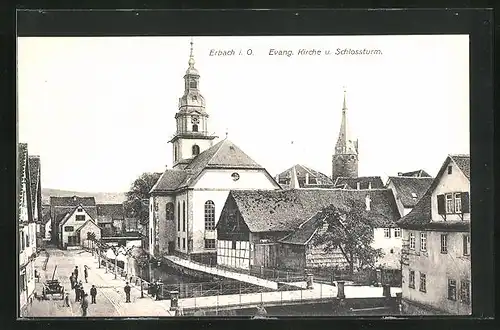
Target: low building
pixel 89 227
pixel 306 178
pixel 111 218
pixel 436 251
pixel 275 228
pixel 60 206
pixel 362 182
pixel 26 229
pixel 69 236
pixel 408 190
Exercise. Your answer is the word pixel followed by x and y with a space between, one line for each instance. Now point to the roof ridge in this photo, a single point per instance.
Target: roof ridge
pixel 218 149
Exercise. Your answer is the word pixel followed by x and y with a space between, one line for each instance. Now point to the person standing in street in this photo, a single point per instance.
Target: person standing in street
pixel 93 293
pixel 85 273
pixel 85 304
pixel 127 292
pixel 77 292
pixel 72 280
pixel 66 300
pixel 76 273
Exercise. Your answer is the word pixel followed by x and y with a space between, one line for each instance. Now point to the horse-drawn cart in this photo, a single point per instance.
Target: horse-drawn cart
pixel 52 287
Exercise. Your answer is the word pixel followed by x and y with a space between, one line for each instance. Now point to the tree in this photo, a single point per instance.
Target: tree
pixel 135 205
pixel 349 230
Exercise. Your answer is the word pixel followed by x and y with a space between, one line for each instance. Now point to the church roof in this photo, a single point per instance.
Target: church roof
pixel 286 210
pixel 224 154
pixel 352 183
pixel 410 189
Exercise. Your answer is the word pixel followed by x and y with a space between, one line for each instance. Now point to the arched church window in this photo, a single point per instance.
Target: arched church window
pixel 178 216
pixel 195 128
pixel 183 216
pixel 192 84
pixel 196 150
pixel 169 212
pixel 209 215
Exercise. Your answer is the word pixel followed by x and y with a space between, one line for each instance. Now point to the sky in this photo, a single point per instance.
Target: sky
pixel 100 110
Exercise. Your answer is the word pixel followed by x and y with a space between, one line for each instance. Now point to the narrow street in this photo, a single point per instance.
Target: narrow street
pixel 110 300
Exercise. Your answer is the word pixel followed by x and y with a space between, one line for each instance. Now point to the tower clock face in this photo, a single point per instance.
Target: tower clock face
pixel 195 120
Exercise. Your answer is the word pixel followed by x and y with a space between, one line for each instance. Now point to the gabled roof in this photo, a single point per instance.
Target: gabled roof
pixel 463 163
pixel 85 223
pixel 23 172
pixel 420 217
pixel 34 168
pixel 417 174
pixel 410 189
pixel 376 182
pixel 56 201
pixel 114 211
pixel 301 171
pixel 224 154
pixel 70 213
pixel 285 210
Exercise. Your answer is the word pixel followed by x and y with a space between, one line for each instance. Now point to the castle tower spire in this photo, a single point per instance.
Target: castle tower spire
pixel 345 159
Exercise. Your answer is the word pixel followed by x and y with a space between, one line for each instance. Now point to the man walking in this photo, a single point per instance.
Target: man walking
pixel 72 280
pixel 85 304
pixel 127 292
pixel 77 292
pixel 93 293
pixel 76 273
pixel 85 273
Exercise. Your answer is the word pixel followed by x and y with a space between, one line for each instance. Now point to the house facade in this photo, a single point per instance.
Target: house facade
pixel 277 228
pixel 436 249
pixel 187 200
pixel 60 206
pixel 69 236
pixel 111 218
pixel 89 227
pixel 27 229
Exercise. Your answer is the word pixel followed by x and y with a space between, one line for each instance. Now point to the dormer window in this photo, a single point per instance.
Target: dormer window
pixel 450 169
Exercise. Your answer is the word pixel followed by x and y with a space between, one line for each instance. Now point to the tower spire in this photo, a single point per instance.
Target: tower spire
pixel 191 57
pixel 344 105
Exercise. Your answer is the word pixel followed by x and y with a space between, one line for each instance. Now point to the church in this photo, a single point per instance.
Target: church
pixel 186 202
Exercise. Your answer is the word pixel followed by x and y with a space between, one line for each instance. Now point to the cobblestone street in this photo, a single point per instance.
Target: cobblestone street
pixel 110 300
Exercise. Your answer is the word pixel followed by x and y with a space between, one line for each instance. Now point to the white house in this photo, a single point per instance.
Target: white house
pixel 69 234
pixel 26 230
pixel 436 249
pixel 187 200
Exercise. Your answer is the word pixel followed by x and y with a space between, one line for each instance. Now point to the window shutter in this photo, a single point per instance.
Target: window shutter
pixel 441 208
pixel 465 202
pixel 464 248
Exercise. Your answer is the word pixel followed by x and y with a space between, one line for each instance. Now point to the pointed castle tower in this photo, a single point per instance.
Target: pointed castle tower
pixel 345 159
pixel 191 137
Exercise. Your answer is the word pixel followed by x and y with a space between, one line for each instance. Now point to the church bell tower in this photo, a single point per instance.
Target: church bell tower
pixel 345 158
pixel 191 136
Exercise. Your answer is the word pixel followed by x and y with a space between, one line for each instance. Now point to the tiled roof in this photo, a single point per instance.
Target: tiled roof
pixel 114 211
pixel 463 162
pixel 285 210
pixel 406 186
pixel 45 214
pixel 101 219
pixel 301 170
pixel 305 231
pixel 224 154
pixel 22 149
pixel 34 166
pixel 417 173
pixel 376 182
pixel 71 201
pixel 86 222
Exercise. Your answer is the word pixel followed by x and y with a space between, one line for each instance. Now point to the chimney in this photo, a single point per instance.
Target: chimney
pixel 370 185
pixel 367 202
pixel 358 184
pixel 307 178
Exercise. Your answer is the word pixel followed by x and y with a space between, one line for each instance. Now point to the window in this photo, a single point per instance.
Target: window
pixel 450 169
pixel 195 149
pixel 183 216
pixel 423 283
pixel 465 292
pixel 69 228
pixel 27 240
pixel 192 84
pixel 183 243
pixel 449 204
pixel 412 279
pixel 444 243
pixel 412 241
pixel 312 181
pixel 175 153
pixel 387 232
pixel 233 245
pixel 413 195
pixel 458 202
pixel 178 242
pixel 452 289
pixel 423 241
pixel 80 209
pixel 397 232
pixel 179 216
pixel 151 236
pixel 80 218
pixel 169 212
pixel 466 241
pixel 209 244
pixel 209 215
pixel 195 128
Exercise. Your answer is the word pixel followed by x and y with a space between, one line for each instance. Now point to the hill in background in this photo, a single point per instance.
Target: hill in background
pixel 100 197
